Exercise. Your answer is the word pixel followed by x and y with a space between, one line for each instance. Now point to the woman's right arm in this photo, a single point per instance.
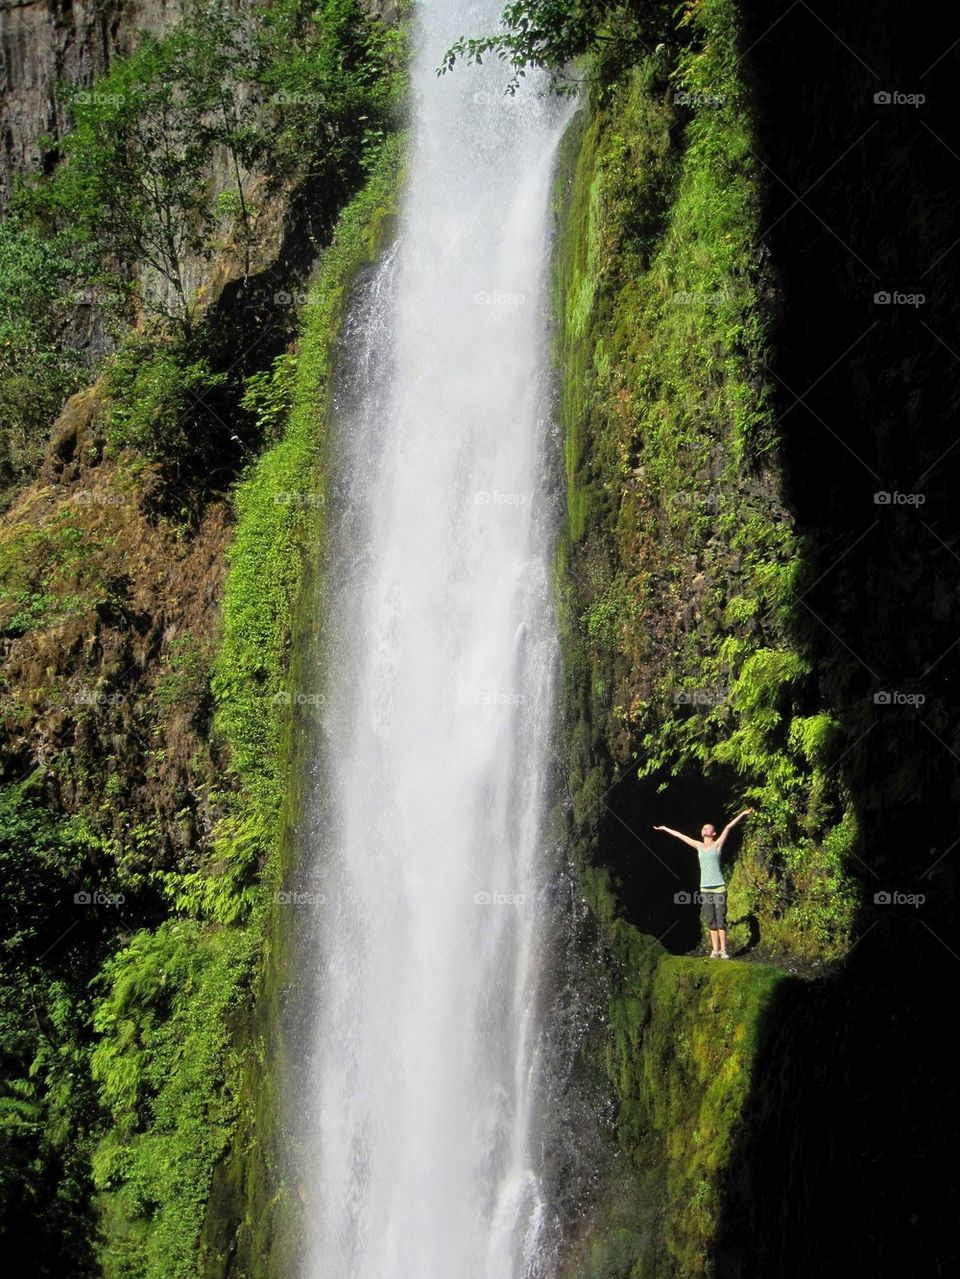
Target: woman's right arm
pixel 677 835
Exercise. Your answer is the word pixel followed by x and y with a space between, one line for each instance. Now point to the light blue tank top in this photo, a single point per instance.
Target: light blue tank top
pixel 710 876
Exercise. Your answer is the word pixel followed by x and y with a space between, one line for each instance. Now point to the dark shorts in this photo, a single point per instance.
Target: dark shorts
pixel 714 909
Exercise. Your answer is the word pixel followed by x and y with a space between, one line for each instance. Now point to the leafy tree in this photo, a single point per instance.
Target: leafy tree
pixel 218 74
pixel 37 273
pixel 321 70
pixel 132 179
pixel 552 34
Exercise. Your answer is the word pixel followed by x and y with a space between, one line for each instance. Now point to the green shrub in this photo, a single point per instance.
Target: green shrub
pixel 175 1004
pixel 38 294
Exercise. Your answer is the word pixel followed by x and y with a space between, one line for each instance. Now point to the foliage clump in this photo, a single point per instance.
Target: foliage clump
pixel 681 561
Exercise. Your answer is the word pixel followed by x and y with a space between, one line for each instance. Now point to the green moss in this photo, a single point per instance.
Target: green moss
pixel 676 580
pixel 181 1060
pixel 280 508
pixel 53 572
pixel 679 1053
pixel 680 561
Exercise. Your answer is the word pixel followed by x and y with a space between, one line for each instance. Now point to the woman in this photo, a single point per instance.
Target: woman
pixel 713 889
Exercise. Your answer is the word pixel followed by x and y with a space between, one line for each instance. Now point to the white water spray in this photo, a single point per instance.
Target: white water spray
pixel 421 1088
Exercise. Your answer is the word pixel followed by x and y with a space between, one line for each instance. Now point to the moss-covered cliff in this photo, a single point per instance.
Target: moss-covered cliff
pixel 734 616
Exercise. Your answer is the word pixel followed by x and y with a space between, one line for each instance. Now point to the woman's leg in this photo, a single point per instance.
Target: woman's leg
pixel 721 919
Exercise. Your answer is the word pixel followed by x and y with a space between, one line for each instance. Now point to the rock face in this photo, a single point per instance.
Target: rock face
pixel 47 45
pixel 44 43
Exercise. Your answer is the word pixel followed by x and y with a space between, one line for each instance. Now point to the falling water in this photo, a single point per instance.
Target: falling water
pixel 440 654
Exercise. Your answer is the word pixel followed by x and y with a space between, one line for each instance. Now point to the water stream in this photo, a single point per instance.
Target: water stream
pixel 441 657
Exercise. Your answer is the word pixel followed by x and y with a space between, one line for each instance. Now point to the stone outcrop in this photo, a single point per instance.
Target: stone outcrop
pixel 44 44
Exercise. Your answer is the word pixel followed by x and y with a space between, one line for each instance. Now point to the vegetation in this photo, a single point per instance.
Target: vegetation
pixel 137 1116
pixel 169 143
pixel 680 1050
pixel 167 169
pixel 58 893
pixel 140 1083
pixel 39 282
pixel 601 35
pixel 681 563
pixel 687 685
pixel 180 993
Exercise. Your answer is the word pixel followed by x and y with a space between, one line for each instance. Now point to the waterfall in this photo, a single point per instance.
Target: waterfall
pixel 420 1076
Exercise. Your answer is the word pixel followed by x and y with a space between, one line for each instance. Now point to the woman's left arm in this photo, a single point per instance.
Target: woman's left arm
pixel 730 825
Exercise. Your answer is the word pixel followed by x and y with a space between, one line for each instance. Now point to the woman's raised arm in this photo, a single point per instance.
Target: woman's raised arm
pixel 730 825
pixel 677 835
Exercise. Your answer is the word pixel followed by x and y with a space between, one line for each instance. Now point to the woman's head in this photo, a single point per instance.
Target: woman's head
pixel 708 831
